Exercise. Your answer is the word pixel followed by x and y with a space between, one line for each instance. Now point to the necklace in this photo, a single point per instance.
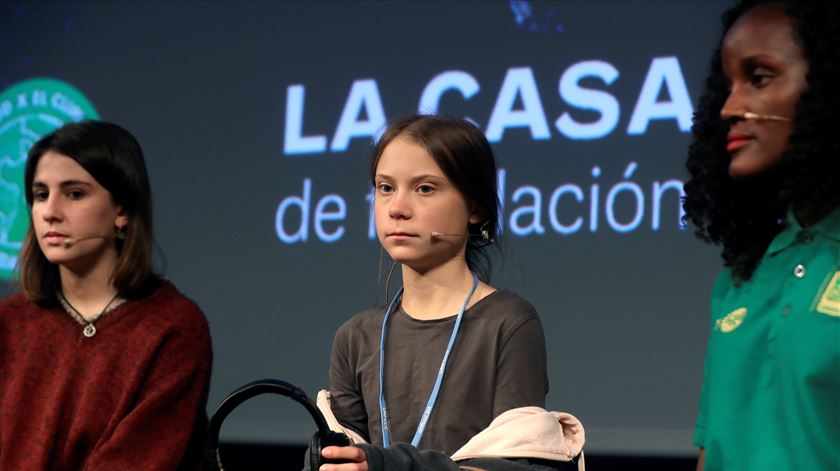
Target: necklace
pixel 89 329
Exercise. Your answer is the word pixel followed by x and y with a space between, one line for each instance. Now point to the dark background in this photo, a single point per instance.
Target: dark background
pixel 203 86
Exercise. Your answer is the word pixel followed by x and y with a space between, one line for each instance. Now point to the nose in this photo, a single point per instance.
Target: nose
pixel 51 210
pixel 734 107
pixel 400 207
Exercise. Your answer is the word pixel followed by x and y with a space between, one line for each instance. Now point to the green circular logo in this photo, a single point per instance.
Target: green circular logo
pixel 28 111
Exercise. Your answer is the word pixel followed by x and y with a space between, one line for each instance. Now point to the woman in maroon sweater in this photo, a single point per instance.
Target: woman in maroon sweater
pixel 103 365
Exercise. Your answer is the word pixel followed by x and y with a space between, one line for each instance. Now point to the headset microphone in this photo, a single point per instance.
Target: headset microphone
pixel 765 117
pixel 70 241
pixel 485 234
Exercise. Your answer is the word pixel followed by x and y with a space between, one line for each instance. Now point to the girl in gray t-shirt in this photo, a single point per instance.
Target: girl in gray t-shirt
pixel 449 352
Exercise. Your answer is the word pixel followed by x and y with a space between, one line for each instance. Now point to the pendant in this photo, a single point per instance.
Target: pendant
pixel 89 331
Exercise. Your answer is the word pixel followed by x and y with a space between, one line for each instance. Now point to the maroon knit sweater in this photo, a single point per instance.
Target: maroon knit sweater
pixel 132 397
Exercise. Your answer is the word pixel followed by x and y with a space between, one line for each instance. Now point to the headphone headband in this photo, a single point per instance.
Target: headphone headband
pixel 256 388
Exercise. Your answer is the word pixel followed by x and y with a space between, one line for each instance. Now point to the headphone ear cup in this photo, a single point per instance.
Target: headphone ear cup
pixel 315 458
pixel 317 443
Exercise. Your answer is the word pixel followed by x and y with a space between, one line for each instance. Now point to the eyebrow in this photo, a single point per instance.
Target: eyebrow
pixel 63 184
pixel 425 176
pixel 758 59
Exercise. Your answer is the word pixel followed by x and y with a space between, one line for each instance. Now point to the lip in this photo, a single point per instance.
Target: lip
pixel 398 235
pixel 55 238
pixel 735 141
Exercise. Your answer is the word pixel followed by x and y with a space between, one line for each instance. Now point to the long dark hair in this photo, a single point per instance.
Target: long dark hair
pixel 466 158
pixel 743 217
pixel 112 156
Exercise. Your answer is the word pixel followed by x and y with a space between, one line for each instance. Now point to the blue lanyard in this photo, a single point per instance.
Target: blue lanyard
pixel 383 408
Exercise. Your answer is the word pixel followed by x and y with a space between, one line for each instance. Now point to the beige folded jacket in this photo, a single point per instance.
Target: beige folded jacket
pixel 524 432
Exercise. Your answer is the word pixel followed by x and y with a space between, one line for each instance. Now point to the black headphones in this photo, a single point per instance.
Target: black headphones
pixel 322 438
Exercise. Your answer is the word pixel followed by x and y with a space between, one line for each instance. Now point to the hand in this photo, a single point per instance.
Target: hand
pixel 355 455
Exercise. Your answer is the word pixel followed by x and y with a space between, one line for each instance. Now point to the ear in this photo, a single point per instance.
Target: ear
pixel 122 218
pixel 476 216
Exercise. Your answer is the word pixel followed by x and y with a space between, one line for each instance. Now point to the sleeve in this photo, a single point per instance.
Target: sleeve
pixel 166 429
pixel 347 402
pixel 404 457
pixel 721 285
pixel 700 425
pixel 521 372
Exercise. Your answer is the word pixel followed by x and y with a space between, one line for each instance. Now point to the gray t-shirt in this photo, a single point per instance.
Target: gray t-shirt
pixel 498 363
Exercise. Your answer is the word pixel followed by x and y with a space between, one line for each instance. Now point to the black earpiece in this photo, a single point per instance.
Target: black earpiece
pixel 323 436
